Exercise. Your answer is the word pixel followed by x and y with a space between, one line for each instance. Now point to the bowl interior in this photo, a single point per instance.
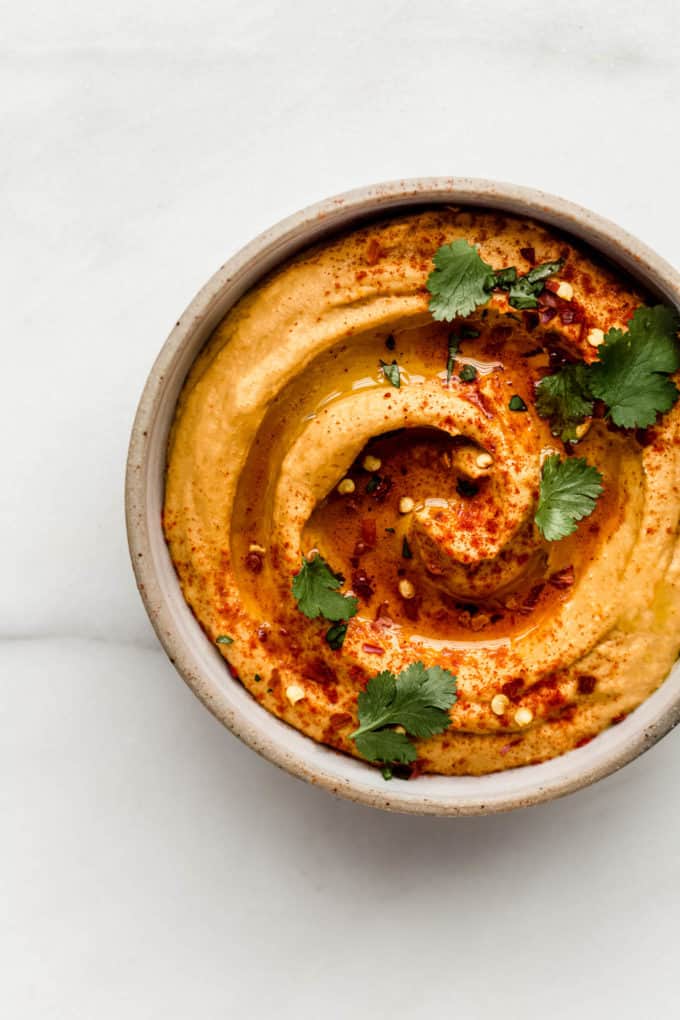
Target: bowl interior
pixel 192 653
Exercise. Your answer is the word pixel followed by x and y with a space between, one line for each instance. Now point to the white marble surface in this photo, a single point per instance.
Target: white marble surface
pixel 151 865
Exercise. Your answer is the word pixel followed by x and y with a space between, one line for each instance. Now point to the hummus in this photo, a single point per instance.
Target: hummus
pixel 551 642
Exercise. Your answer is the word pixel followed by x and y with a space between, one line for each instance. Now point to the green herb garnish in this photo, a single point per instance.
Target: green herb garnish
pixel 632 373
pixel 417 700
pixel 453 350
pixel 523 292
pixel 373 483
pixel 391 373
pixel 631 377
pixel 462 281
pixel 224 639
pixel 335 636
pixel 566 400
pixel 406 549
pixel 516 403
pixel 315 588
pixel 568 492
pixel 468 373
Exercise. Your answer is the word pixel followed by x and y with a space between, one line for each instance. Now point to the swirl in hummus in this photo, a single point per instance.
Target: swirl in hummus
pixel 433 527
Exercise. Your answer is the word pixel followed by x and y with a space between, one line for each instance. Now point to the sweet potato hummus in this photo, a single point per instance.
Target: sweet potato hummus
pixel 290 438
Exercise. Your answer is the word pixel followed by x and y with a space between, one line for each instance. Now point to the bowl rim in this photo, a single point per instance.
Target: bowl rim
pixel 192 654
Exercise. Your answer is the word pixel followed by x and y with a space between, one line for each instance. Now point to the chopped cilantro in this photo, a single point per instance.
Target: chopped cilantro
pixel 453 350
pixel 406 549
pixel 315 590
pixel 417 700
pixel 524 292
pixel 391 373
pixel 224 639
pixel 566 400
pixel 505 277
pixel 468 373
pixel 390 343
pixel 568 492
pixel 390 530
pixel 373 483
pixel 386 772
pixel 632 373
pixel 516 403
pixel 257 678
pixel 335 636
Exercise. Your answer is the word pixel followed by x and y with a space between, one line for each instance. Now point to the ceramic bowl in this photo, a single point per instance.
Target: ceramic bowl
pixel 201 665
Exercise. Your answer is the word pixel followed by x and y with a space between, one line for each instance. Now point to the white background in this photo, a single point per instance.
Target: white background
pixel 150 865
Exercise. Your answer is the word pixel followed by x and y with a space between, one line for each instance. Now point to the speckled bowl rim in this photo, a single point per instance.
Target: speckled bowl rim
pixel 201 665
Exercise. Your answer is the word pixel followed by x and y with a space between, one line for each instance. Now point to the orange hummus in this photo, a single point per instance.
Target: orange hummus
pixel 551 642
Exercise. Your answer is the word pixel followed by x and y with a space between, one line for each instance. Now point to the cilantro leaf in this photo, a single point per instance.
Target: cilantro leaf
pixel 391 373
pixel 224 639
pixel 417 700
pixel 315 589
pixel 565 399
pixel 468 373
pixel 386 745
pixel 460 281
pixel 632 373
pixel 568 492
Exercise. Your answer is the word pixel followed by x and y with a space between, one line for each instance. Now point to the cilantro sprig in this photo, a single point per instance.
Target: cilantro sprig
pixel 632 373
pixel 417 700
pixel 462 281
pixel 315 588
pixel 630 377
pixel 568 492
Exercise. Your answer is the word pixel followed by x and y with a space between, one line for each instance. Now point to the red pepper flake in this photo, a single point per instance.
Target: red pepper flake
pixel 619 718
pixel 383 488
pixel 373 649
pixel 373 252
pixel 531 600
pixel 339 719
pixel 586 683
pixel 562 579
pixel 513 689
pixel 361 584
pixel 583 741
pixel 513 743
pixel 382 614
pixel 369 533
pixel 411 607
pixel 254 562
